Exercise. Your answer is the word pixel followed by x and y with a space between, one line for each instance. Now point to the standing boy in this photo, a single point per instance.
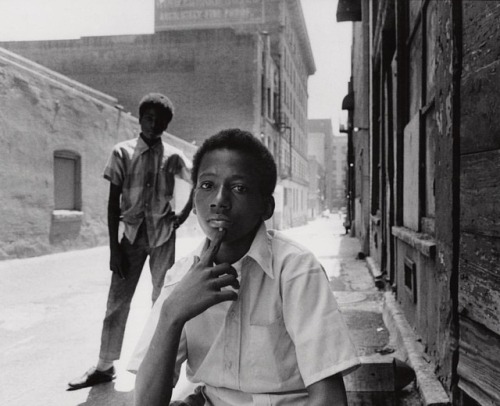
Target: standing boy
pixel 251 311
pixel 141 173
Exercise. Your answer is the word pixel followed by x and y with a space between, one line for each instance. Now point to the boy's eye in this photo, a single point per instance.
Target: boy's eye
pixel 205 185
pixel 240 188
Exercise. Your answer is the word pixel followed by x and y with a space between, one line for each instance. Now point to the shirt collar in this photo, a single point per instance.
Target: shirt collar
pixel 260 251
pixel 143 147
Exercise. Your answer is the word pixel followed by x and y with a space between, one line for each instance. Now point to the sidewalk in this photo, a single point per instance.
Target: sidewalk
pixel 51 311
pixel 363 306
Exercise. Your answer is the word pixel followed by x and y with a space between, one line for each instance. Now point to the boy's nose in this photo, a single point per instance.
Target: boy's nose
pixel 221 199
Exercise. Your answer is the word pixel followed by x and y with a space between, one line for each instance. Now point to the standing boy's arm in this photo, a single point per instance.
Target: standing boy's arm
pixel 116 259
pixel 198 290
pixel 328 391
pixel 184 213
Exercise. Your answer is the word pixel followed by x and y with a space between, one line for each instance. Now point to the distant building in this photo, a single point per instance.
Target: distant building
pixel 316 197
pixel 339 164
pixel 331 153
pixel 243 65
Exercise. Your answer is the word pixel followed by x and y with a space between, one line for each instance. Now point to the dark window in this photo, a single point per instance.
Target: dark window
pixel 67 181
pixel 410 278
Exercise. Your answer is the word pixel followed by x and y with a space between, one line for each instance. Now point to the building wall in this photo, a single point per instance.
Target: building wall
pixel 404 161
pixel 316 145
pixel 361 138
pixel 447 116
pixel 211 76
pixel 296 64
pixel 434 89
pixel 316 192
pixel 246 75
pixel 339 173
pixel 479 282
pixel 41 113
pixel 320 142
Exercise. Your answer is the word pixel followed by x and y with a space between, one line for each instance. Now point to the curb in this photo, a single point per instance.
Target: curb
pixel 411 350
pixel 373 268
pixel 403 337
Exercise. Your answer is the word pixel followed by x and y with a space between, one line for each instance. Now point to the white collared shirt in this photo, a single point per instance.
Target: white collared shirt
pixel 284 333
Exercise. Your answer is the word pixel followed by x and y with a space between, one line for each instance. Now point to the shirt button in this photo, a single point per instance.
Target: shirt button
pixel 229 365
pixel 146 204
pixel 148 184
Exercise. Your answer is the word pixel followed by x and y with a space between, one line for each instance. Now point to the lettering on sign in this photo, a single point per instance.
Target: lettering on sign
pixel 172 14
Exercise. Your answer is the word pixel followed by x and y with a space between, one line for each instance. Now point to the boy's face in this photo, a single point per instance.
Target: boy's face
pixel 227 196
pixel 152 123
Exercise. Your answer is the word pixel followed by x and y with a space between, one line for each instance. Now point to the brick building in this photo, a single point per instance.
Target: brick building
pixel 244 64
pixel 423 141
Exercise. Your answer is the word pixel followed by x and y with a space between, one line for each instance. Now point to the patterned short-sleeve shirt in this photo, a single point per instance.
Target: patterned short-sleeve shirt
pixel 146 177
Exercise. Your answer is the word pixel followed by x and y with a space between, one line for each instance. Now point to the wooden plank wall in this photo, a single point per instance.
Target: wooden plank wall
pixel 445 186
pixel 479 267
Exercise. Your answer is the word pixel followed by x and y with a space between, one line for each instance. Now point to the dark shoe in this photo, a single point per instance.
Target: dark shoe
pixel 92 377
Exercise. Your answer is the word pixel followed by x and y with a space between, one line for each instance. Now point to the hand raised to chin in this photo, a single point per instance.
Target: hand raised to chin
pixel 201 287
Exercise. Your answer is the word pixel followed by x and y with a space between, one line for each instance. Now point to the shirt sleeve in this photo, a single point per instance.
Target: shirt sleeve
pixel 114 169
pixel 147 335
pixel 181 166
pixel 313 320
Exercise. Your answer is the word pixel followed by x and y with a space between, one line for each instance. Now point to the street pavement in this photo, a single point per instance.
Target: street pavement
pixel 51 311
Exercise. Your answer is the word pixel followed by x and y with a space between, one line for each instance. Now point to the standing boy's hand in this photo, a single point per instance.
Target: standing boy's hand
pixel 202 285
pixel 117 262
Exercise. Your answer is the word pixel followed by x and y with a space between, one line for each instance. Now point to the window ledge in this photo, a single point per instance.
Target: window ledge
pixel 422 242
pixel 67 215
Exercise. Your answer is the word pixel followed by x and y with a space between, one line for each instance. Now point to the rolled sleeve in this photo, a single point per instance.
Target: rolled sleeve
pixel 315 324
pixel 184 168
pixel 114 169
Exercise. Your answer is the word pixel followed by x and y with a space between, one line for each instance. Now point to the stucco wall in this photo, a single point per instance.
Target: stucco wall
pixel 210 75
pixel 39 115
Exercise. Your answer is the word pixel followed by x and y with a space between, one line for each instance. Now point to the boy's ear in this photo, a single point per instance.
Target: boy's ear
pixel 269 206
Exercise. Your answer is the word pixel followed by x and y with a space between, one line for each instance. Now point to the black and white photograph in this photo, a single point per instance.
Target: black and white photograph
pixel 250 202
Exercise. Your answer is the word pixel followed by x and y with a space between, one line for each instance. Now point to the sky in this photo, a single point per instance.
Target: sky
pixel 66 19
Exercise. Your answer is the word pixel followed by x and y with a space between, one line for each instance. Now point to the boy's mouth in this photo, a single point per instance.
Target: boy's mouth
pixel 219 223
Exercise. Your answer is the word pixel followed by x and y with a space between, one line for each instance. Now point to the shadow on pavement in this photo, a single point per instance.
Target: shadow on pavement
pixel 106 394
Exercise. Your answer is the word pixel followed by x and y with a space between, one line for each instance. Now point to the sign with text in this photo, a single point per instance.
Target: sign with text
pixel 177 14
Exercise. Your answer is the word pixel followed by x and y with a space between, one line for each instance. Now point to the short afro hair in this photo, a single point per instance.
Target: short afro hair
pixel 160 102
pixel 235 139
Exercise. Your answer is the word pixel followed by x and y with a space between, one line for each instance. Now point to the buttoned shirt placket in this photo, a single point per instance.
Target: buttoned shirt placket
pixel 233 335
pixel 148 193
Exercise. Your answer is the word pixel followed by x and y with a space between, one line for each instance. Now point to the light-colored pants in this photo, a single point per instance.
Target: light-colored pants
pixel 122 291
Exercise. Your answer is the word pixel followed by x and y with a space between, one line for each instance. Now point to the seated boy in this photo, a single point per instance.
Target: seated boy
pixel 250 310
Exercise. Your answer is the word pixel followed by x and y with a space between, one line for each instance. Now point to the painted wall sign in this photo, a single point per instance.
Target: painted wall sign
pixel 177 14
